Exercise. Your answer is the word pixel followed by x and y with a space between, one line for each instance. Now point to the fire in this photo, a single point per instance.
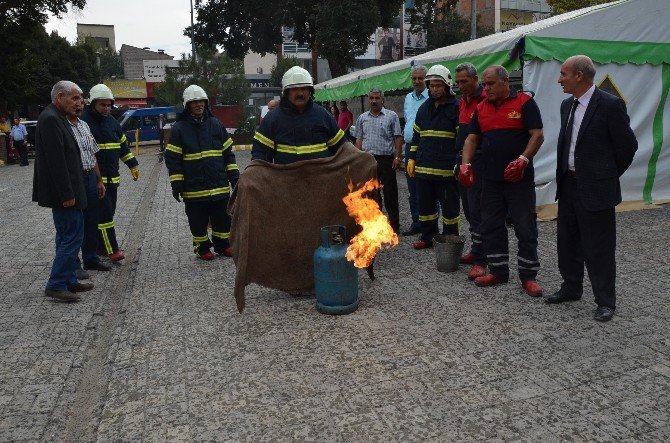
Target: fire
pixel 377 232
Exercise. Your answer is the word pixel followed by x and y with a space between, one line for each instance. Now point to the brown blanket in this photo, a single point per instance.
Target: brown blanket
pixel 277 212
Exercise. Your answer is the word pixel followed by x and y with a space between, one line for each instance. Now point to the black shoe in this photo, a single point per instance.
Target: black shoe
pixel 411 231
pixel 98 267
pixel 65 296
pixel 80 287
pixel 604 313
pixel 560 297
pixel 81 274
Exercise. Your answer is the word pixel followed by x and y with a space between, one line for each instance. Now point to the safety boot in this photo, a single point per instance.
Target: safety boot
pixel 467 259
pixel 422 244
pixel 117 256
pixel 532 288
pixel 476 271
pixel 207 255
pixel 489 280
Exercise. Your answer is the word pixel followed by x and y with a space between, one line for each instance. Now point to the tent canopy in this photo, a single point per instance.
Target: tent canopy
pixel 627 31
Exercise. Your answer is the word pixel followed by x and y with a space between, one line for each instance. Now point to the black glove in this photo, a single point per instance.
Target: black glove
pixel 233 185
pixel 176 194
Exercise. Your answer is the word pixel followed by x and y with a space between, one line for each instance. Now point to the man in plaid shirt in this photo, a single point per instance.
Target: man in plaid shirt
pixel 95 190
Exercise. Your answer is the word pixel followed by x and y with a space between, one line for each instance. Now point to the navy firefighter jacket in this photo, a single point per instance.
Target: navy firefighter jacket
pixel 287 136
pixel 504 132
pixel 200 158
pixel 433 145
pixel 113 145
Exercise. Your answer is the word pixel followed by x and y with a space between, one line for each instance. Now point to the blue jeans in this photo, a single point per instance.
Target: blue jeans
pixel 69 225
pixel 90 243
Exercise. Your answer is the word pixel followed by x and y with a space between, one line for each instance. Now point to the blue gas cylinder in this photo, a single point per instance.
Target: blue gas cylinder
pixel 335 278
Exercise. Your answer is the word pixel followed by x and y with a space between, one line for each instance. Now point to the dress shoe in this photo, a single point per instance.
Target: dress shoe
pixel 604 313
pixel 476 271
pixel 81 274
pixel 80 287
pixel 489 280
pixel 65 296
pixel 227 252
pixel 422 244
pixel 117 256
pixel 532 288
pixel 411 231
pixel 97 267
pixel 206 256
pixel 467 259
pixel 560 297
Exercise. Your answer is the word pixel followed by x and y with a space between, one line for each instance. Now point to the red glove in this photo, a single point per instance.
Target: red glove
pixel 466 175
pixel 514 171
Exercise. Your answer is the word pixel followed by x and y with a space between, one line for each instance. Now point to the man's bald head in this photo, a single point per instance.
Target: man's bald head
pixel 584 64
pixel 577 74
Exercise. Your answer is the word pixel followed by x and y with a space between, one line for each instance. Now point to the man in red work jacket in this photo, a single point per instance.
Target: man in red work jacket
pixel 509 126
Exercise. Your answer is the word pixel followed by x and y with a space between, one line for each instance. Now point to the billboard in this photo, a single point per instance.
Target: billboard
pixel 127 88
pixel 512 18
pixel 387 44
pixel 154 70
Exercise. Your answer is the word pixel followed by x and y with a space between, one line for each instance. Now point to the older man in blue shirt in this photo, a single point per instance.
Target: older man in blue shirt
pixel 19 136
pixel 412 102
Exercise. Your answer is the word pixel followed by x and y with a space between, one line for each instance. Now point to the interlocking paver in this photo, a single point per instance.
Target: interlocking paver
pixel 427 356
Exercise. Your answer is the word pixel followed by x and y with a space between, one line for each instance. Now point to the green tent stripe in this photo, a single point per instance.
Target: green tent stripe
pixel 600 51
pixel 657 135
pixel 401 78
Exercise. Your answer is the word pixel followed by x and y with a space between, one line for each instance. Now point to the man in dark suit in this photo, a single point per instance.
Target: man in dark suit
pixel 595 147
pixel 58 184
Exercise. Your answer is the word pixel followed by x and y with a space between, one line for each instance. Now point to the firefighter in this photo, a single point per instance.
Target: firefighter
pixel 472 94
pixel 509 126
pixel 113 146
pixel 433 157
pixel 202 169
pixel 299 129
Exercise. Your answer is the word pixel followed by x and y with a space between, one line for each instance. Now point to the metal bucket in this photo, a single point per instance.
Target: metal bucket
pixel 448 250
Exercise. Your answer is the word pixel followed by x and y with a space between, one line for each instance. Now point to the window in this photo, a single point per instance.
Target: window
pixel 150 120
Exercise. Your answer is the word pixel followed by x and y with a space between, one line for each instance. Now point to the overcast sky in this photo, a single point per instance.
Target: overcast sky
pixel 158 24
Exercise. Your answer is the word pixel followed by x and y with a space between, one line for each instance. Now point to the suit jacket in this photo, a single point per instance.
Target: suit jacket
pixel 604 150
pixel 58 169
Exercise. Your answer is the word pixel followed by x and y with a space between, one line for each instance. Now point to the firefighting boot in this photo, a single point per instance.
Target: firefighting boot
pixel 226 252
pixel 532 288
pixel 476 271
pixel 489 280
pixel 467 259
pixel 207 255
pixel 422 244
pixel 117 256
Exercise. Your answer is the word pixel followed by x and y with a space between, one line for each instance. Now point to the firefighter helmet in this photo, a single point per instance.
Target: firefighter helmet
pixel 296 77
pixel 101 92
pixel 194 92
pixel 439 72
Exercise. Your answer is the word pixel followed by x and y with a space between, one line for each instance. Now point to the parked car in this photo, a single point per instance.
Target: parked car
pixel 146 120
pixel 31 126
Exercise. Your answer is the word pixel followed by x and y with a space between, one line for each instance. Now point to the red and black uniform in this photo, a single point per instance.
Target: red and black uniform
pixel 505 134
pixel 433 147
pixel 471 197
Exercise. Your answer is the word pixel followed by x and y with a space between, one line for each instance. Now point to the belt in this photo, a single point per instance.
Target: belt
pixel 570 173
pixel 85 172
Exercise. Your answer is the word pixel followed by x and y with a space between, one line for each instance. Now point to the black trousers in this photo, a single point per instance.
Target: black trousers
pixel 106 227
pixel 446 192
pixel 90 243
pixel 387 177
pixel 471 199
pixel 200 214
pixel 586 237
pixel 22 147
pixel 518 199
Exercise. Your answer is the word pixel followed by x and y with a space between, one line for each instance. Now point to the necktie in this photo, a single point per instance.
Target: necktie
pixel 568 136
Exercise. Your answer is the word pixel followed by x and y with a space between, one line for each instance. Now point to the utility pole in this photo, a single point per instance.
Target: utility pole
pixel 197 2
pixel 473 19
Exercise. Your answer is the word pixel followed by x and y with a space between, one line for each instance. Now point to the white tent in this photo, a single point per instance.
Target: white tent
pixel 629 41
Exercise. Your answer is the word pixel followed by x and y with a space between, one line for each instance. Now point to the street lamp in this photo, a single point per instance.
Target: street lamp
pixel 197 3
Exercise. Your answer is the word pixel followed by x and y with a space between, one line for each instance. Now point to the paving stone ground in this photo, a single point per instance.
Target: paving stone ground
pixel 158 352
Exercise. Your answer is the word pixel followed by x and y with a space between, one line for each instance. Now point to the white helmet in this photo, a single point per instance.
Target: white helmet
pixel 296 77
pixel 101 92
pixel 194 92
pixel 439 72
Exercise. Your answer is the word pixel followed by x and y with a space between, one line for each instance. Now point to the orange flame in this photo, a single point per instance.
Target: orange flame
pixel 377 232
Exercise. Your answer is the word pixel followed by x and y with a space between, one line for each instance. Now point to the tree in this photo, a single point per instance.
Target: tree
pixel 280 68
pixel 337 30
pixel 221 77
pixel 20 21
pixel 443 24
pixel 561 6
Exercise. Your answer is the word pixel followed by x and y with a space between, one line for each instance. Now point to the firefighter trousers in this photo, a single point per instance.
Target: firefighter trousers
pixel 471 199
pixel 200 214
pixel 106 232
pixel 518 199
pixel 446 192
